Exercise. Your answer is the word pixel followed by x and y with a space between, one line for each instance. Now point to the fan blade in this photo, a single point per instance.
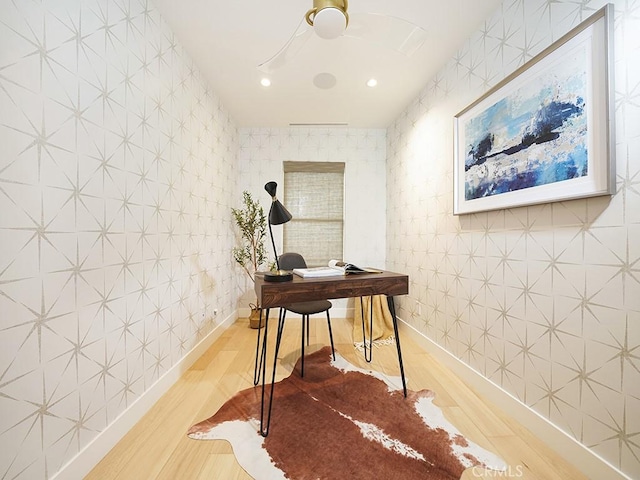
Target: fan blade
pixel 387 31
pixel 290 49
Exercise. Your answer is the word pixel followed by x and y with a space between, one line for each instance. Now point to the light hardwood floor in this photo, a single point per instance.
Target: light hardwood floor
pixel 157 446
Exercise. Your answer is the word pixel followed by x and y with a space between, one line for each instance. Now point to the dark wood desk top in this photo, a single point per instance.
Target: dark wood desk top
pixel 277 294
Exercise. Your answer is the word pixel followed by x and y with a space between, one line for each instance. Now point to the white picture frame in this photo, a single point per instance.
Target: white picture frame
pixel 546 132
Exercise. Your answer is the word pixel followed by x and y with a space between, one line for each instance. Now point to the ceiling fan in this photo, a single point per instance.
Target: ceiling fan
pixel 330 19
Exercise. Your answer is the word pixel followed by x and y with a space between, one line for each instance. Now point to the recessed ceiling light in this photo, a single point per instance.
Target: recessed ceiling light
pixel 372 82
pixel 265 82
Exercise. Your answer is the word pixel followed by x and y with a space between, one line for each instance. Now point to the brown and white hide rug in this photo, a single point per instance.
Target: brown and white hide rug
pixel 343 422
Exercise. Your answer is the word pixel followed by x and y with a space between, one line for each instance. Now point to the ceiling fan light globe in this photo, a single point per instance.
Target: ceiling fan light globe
pixel 329 23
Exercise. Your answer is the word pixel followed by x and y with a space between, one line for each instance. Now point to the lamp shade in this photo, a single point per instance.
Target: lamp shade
pixel 278 214
pixel 271 188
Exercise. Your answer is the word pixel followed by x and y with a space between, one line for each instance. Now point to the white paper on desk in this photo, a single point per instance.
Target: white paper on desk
pixel 317 272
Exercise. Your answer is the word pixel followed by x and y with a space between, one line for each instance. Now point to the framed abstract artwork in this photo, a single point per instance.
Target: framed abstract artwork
pixel 545 133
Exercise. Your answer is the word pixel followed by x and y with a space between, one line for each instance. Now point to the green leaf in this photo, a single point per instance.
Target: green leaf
pixel 251 221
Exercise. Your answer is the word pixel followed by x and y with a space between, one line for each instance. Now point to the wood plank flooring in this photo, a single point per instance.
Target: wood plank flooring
pixel 157 446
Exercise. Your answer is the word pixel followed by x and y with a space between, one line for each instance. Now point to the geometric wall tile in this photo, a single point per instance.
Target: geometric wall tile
pixel 86 115
pixel 561 281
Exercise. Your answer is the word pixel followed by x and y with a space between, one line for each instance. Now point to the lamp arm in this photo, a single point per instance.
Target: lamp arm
pixel 275 252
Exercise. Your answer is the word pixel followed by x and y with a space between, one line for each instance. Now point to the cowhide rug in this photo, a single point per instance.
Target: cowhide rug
pixel 342 422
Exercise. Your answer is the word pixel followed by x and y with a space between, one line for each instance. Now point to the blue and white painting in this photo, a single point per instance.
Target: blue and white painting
pixel 536 135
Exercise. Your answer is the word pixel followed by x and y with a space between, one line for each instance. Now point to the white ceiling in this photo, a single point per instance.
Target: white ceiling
pixel 228 39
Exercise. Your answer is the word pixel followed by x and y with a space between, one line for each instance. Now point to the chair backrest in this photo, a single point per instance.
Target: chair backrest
pixel 289 261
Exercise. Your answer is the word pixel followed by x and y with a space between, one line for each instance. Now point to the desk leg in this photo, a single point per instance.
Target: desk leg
pixel 263 364
pixel 392 307
pixel 259 354
pixel 264 423
pixel 364 335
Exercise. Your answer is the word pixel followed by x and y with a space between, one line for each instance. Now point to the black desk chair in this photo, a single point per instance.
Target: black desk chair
pixel 289 261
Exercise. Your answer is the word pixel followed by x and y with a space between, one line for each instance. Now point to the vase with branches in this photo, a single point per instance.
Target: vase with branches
pixel 251 254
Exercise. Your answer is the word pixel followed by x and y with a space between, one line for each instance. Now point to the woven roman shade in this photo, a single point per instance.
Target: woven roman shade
pixel 314 194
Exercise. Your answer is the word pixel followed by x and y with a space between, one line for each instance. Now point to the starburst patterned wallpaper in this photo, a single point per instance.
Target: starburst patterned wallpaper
pixel 116 173
pixel 544 301
pixel 262 151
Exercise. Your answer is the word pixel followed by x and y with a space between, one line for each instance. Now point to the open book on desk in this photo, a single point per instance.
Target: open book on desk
pixel 347 268
pixel 335 268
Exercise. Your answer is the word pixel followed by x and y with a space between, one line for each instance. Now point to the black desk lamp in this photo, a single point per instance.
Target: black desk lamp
pixel 278 215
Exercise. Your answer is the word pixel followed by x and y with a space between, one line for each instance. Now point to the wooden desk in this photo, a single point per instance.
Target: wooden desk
pixel 277 294
pixel 280 294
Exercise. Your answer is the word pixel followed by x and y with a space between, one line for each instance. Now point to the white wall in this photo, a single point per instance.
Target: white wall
pixel 116 177
pixel 543 301
pixel 363 151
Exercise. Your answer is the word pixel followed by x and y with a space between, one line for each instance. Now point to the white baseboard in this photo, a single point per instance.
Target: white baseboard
pixel 574 452
pixel 80 465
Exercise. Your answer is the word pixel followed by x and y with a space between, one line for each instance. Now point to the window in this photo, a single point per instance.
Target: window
pixel 314 194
